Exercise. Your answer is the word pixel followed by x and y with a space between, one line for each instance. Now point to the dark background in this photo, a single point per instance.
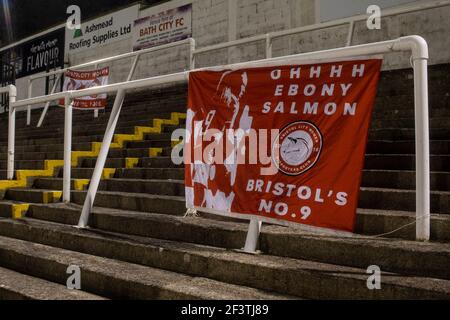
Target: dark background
pixel 33 16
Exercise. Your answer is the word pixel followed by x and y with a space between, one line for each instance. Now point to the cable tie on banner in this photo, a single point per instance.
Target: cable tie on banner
pixel 398 229
pixel 191 212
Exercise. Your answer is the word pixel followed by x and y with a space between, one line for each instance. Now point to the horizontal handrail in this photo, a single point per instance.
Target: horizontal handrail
pixel 415 44
pixel 11 89
pixel 118 57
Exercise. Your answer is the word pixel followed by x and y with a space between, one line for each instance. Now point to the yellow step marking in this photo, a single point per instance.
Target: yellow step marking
pixel 130 163
pixel 23 175
pixel 118 142
pixel 80 184
pixel 108 173
pixel 18 211
pixel 155 152
pixel 51 196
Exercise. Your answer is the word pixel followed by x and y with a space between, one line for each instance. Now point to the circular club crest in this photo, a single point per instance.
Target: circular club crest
pixel 297 148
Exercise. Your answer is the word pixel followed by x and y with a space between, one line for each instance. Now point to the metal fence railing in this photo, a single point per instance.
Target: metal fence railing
pixel 416 45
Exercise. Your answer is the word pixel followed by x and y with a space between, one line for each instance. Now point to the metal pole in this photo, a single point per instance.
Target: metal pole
pixel 254 229
pixel 101 160
pixel 44 112
pixel 30 93
pixel 350 33
pixel 268 46
pixel 96 110
pixel 67 149
pixel 422 150
pixel 192 54
pixel 103 154
pixel 11 132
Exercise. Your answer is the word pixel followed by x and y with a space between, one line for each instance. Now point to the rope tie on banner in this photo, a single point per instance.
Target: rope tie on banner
pixel 191 212
pixel 399 228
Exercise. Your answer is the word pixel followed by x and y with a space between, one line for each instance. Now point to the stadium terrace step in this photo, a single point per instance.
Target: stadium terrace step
pixel 405 162
pixel 382 222
pixel 17 286
pixel 118 279
pixel 29 195
pixel 397 199
pixel 401 179
pixel 161 187
pixel 437 147
pixel 435 123
pixel 156 162
pixel 150 173
pixel 408 257
pixel 295 277
pixel 409 113
pixel 175 205
pixel 405 134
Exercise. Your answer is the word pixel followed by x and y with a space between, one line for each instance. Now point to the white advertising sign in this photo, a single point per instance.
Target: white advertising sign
pixel 168 26
pixel 102 31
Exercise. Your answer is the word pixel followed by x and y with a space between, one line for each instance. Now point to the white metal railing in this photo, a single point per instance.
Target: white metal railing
pixel 136 55
pixel 11 90
pixel 419 57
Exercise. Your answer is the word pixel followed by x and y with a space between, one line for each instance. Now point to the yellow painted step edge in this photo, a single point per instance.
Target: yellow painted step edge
pixel 18 211
pixel 119 140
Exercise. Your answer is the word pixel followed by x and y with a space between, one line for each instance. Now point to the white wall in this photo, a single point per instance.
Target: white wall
pixel 336 9
pixel 216 21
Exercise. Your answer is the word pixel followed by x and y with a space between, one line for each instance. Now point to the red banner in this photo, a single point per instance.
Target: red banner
pixel 282 143
pixel 79 80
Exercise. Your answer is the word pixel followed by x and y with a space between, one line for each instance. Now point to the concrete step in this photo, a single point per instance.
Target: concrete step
pixel 396 179
pixel 113 153
pixel 134 173
pixel 83 143
pixel 438 123
pixel 17 286
pixel 406 257
pixel 406 134
pixel 393 113
pixel 29 195
pixel 24 165
pixel 145 106
pixel 405 162
pixel 400 224
pixel 296 277
pixel 154 162
pixel 57 140
pixel 174 205
pixel 403 200
pixel 117 279
pixel 161 187
pixel 81 132
pixel 89 129
pixel 437 147
pixel 369 221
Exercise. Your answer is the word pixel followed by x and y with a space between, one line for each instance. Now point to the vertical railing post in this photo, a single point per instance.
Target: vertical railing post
pixel 251 242
pixel 11 132
pixel 422 150
pixel 268 46
pixel 44 112
pixel 351 29
pixel 101 160
pixel 96 110
pixel 191 53
pixel 67 149
pixel 103 154
pixel 30 93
